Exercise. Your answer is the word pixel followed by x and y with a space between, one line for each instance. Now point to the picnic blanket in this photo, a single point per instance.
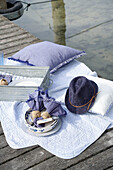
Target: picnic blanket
pixel 77 132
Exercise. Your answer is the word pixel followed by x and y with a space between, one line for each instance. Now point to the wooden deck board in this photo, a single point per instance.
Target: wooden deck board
pixel 12 29
pixel 111 168
pixel 13 153
pixel 15 41
pixel 3 142
pixel 100 161
pixel 1 131
pixel 4 22
pixel 102 144
pixel 98 156
pixel 8 51
pixel 4 27
pixel 12 34
pixel 26 160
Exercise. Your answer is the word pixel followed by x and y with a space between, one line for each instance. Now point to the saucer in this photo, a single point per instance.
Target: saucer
pixel 48 126
pixel 51 132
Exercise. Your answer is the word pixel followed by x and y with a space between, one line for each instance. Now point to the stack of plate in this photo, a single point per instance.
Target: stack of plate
pixel 52 125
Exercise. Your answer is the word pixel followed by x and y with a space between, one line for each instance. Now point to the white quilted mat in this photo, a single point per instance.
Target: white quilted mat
pixel 77 131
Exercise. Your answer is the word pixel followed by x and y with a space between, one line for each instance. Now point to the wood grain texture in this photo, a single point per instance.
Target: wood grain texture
pixel 100 161
pixel 12 50
pixel 17 42
pixel 8 31
pixel 7 153
pixel 111 168
pixel 26 160
pixel 13 34
pixel 8 26
pixel 1 131
pixel 3 142
pixel 102 144
pixel 15 38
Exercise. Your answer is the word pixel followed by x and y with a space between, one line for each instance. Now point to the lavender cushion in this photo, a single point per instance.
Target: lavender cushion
pixel 47 54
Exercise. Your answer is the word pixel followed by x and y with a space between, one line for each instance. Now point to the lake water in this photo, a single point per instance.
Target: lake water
pixel 85 25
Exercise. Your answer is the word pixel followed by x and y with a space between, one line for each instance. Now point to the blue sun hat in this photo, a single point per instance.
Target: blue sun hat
pixel 80 95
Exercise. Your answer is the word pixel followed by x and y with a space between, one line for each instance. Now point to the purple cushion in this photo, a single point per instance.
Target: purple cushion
pixel 47 54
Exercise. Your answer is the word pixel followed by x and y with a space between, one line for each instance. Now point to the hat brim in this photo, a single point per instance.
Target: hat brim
pixel 80 110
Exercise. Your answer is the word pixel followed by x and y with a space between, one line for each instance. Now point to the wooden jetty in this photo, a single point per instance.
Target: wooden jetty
pixel 99 156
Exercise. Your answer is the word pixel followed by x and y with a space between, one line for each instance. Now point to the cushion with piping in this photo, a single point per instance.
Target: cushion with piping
pixel 47 54
pixel 104 98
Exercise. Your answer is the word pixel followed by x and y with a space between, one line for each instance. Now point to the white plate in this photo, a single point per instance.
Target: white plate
pixel 53 131
pixel 26 82
pixel 48 126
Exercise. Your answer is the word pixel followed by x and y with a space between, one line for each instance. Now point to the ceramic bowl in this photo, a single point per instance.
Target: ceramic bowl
pixel 48 126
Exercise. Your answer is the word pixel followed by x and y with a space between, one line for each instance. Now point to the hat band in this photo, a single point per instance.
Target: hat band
pixel 89 102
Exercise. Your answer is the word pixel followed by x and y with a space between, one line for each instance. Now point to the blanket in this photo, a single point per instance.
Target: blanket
pixel 77 132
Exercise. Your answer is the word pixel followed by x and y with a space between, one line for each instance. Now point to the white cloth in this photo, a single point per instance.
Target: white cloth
pixel 77 131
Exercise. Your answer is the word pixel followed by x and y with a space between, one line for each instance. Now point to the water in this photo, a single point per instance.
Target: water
pixel 85 25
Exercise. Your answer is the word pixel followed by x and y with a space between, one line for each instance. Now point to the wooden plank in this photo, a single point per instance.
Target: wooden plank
pixel 100 161
pixel 3 142
pixel 15 38
pixel 12 29
pixel 17 43
pixel 2 18
pixel 101 145
pixel 26 160
pixel 12 34
pixel 13 50
pixel 4 22
pixel 8 26
pixel 57 162
pixel 7 153
pixel 1 131
pixel 111 168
